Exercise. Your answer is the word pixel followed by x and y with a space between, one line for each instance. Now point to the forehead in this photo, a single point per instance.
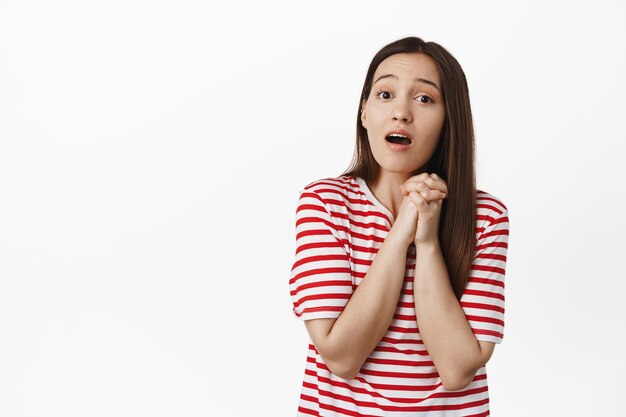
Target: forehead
pixel 408 66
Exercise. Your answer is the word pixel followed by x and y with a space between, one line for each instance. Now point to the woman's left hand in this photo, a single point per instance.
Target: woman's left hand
pixel 427 191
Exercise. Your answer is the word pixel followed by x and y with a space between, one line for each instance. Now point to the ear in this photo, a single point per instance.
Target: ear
pixel 363 111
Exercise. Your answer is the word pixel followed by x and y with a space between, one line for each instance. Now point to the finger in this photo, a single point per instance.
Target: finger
pixel 437 183
pixel 435 176
pixel 429 195
pixel 421 200
pixel 418 199
pixel 428 179
pixel 433 195
pixel 422 186
pixel 419 177
pixel 415 186
pixel 423 176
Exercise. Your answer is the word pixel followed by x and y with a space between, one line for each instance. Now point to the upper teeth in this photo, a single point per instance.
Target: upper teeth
pixel 398 134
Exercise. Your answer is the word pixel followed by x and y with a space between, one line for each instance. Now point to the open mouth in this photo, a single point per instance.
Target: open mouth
pixel 398 139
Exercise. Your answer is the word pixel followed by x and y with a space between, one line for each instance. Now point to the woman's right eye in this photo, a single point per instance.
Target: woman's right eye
pixel 382 91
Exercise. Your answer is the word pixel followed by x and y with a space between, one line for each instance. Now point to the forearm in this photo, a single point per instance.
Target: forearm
pixel 442 324
pixel 367 316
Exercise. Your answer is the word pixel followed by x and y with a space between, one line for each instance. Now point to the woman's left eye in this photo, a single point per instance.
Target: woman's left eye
pixel 429 99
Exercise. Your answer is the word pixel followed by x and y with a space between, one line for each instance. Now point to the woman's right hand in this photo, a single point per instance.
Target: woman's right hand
pixel 405 224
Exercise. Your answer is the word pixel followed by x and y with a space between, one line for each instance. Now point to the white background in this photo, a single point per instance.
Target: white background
pixel 151 158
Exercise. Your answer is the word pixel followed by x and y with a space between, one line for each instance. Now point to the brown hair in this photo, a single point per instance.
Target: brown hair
pixel 452 160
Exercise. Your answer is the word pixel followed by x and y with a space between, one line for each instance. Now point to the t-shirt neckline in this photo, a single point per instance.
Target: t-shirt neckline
pixel 373 199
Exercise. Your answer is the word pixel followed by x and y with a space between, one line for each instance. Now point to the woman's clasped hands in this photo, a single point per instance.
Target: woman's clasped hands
pixel 421 208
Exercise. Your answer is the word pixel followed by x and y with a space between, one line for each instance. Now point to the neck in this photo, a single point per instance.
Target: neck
pixel 386 189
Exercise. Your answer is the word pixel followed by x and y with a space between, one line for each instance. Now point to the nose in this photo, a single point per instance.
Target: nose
pixel 402 112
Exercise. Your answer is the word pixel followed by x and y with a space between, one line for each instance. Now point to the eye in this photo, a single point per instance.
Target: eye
pixel 381 91
pixel 430 100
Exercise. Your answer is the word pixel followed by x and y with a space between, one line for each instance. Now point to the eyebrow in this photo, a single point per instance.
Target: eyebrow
pixel 420 80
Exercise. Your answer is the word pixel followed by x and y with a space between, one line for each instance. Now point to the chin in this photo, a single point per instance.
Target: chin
pixel 396 169
pixel 399 167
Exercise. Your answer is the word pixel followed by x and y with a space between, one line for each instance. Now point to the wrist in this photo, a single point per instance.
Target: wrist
pixel 428 246
pixel 393 239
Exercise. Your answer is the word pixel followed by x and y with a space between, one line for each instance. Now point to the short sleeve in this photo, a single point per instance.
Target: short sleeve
pixel 483 297
pixel 321 279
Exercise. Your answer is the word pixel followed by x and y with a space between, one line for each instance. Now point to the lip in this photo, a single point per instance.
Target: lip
pixel 398 147
pixel 401 132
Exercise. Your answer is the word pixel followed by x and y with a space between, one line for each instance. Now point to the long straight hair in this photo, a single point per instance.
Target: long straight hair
pixel 452 160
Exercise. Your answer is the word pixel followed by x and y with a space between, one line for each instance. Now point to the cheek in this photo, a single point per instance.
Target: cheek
pixel 374 113
pixel 437 122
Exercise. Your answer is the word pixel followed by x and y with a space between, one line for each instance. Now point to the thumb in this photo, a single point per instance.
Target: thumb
pixel 415 198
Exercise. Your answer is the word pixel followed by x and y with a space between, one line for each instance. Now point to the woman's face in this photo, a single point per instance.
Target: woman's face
pixel 406 96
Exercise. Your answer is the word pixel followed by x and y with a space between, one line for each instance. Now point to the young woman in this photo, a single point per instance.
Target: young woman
pixel 400 261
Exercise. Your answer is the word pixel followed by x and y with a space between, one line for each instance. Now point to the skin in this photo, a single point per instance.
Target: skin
pixel 415 201
pixel 416 107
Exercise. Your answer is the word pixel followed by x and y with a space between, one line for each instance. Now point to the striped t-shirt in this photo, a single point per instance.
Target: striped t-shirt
pixel 340 226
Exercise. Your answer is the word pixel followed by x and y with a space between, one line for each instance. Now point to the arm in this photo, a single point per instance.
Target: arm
pixel 345 342
pixel 445 331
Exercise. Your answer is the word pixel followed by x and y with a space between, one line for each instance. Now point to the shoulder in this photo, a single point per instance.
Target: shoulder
pixel 338 196
pixel 489 209
pixel 332 190
pixel 331 184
